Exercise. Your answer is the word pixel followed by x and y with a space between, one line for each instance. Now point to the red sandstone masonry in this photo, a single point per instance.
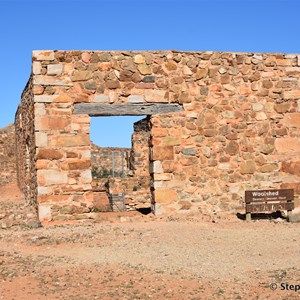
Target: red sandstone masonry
pixel 239 124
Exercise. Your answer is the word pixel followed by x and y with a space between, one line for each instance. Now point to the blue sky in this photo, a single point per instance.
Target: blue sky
pixel 220 25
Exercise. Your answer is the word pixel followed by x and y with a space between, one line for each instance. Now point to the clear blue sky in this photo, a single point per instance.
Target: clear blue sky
pixel 220 25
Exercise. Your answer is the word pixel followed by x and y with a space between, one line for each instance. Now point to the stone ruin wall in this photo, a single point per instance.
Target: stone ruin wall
pixel 239 128
pixel 103 159
pixel 26 146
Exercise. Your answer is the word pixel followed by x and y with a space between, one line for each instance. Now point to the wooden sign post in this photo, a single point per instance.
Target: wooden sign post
pixel 268 201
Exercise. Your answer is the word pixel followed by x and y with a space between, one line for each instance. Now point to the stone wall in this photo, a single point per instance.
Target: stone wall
pixel 26 146
pixel 239 128
pixel 105 159
pixel 140 140
pixel 8 171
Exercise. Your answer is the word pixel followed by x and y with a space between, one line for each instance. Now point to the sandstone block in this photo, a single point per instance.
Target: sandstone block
pixel 72 140
pixel 295 94
pixel 162 176
pixel 101 201
pixel 144 69
pixel 291 120
pixel 43 55
pixel 41 139
pixel 53 198
pixel 46 80
pixel 136 99
pixel 139 59
pixel 50 177
pixel 171 140
pixel 156 167
pixel 51 123
pixel 268 168
pixel 257 106
pixel 86 176
pixel 291 167
pixel 102 98
pixel 232 148
pixel 49 154
pixel 163 153
pixel 171 65
pixel 86 57
pixel 63 98
pixel 282 107
pixel 156 96
pixel 165 196
pixel 292 71
pixel 55 69
pixel 287 145
pixel 44 212
pixel 248 167
pixel 44 98
pixel 82 76
pixel 36 68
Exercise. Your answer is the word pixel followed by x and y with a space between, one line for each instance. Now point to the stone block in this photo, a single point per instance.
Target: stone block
pixel 63 98
pixel 291 120
pixel 43 55
pixel 101 201
pixel 232 148
pixel 44 212
pixel 82 76
pixel 294 94
pixel 156 96
pixel 55 69
pixel 80 164
pixel 291 167
pixel 41 139
pixel 163 153
pixel 139 59
pixel 156 167
pixel 248 167
pixel 49 154
pixel 72 140
pixel 136 99
pixel 162 177
pixel 44 98
pixel 36 68
pixel 165 196
pixel 287 145
pixel 86 176
pixel 51 123
pixel 102 98
pixel 46 80
pixel 52 198
pixel 292 71
pixel 144 69
pixel 282 107
pixel 50 177
pixel 171 140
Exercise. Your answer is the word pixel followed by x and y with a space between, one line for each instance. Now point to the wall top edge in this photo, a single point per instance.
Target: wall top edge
pixel 35 53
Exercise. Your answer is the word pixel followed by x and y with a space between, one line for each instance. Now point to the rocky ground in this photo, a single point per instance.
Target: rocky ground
pixel 147 257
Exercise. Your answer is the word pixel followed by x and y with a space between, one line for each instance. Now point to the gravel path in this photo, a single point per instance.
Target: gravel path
pixel 151 260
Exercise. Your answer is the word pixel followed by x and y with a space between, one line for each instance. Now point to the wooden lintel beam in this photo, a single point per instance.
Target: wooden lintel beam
pixel 128 109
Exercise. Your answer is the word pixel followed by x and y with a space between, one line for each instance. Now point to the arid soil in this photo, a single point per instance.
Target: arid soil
pixel 147 257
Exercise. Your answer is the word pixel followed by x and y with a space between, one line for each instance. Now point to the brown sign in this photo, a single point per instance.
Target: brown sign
pixel 269 195
pixel 259 207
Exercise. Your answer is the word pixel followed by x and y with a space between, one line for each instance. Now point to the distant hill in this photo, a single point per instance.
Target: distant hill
pixel 8 172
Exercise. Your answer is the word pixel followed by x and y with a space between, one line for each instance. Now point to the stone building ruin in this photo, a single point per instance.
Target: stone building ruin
pixel 219 124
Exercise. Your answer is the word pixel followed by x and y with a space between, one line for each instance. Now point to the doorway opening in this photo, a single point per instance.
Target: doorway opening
pixel 120 163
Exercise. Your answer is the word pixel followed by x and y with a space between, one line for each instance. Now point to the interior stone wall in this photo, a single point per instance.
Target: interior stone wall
pixel 239 128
